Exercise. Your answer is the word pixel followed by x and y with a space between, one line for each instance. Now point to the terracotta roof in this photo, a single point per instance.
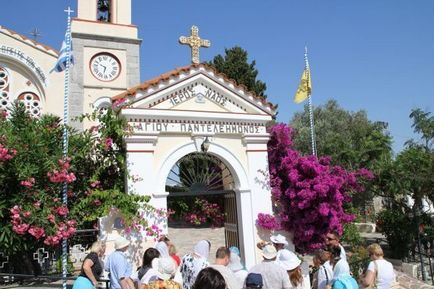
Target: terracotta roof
pixel 35 43
pixel 166 76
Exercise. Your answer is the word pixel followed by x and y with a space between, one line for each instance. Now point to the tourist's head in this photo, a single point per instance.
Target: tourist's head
pixel 291 263
pixel 163 249
pixel 98 247
pixel 149 255
pixel 172 250
pixel 201 249
pixel 321 256
pixel 254 281
pixel 166 268
pixel 332 239
pixel 375 251
pixel 209 278
pixel 269 252
pixel 121 244
pixel 222 256
pixel 279 241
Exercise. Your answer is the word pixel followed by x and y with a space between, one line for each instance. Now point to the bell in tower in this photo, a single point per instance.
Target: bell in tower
pixel 104 10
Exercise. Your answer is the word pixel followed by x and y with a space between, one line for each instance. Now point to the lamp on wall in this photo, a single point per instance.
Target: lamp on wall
pixel 205 145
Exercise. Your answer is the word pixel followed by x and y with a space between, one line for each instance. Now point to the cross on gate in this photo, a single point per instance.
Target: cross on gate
pixel 195 43
pixel 3 260
pixel 40 256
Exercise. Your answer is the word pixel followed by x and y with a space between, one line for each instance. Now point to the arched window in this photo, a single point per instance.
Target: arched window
pixel 4 89
pixel 32 103
pixel 102 104
pixel 104 10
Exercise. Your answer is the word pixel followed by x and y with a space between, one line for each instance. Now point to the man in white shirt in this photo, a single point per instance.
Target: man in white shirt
pixel 221 262
pixel 332 240
pixel 273 275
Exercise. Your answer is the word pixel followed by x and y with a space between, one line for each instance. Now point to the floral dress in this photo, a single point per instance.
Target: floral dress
pixel 190 268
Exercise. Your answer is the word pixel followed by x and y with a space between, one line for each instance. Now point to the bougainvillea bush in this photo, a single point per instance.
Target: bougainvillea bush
pixel 33 172
pixel 308 193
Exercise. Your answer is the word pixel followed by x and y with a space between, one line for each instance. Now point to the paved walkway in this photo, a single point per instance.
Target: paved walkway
pixel 185 239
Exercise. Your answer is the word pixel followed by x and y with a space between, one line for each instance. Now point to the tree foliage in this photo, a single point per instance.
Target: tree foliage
pixel 349 138
pixel 234 64
pixel 407 183
pixel 309 194
pixel 33 171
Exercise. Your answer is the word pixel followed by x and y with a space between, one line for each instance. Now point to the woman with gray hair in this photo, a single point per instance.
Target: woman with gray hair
pixel 91 268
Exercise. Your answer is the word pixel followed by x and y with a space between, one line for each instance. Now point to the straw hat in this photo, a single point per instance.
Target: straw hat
pixel 269 252
pixel 121 242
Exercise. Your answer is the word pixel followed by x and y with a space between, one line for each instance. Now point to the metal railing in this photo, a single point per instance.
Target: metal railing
pixel 44 263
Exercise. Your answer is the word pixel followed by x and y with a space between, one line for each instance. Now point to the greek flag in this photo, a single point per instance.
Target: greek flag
pixel 61 61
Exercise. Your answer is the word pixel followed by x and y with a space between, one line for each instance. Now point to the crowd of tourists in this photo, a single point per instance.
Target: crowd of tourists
pixel 280 268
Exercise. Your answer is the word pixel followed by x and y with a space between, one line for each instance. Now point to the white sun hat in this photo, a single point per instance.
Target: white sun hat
pixel 279 239
pixel 288 260
pixel 166 268
pixel 121 242
pixel 269 252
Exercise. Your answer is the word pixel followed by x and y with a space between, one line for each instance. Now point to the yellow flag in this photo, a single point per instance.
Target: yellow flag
pixel 305 87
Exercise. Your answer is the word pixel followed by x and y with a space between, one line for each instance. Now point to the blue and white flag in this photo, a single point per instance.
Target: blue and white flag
pixel 63 57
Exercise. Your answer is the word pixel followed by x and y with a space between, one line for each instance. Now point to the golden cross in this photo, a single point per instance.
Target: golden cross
pixel 195 43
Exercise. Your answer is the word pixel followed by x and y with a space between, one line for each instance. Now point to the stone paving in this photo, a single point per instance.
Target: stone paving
pixel 185 239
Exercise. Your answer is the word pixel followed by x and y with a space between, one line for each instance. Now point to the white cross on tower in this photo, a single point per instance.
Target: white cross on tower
pixel 195 43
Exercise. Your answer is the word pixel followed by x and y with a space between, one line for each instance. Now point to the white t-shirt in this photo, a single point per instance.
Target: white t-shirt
pixel 231 280
pixel 385 276
pixel 273 275
pixel 325 275
pixel 343 255
pixel 150 275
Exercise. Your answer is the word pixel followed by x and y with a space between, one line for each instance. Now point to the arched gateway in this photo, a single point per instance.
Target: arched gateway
pixel 173 116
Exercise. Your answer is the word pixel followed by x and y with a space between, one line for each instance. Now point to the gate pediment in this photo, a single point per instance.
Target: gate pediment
pixel 195 88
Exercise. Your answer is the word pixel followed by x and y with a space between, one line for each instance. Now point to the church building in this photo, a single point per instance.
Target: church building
pixel 190 115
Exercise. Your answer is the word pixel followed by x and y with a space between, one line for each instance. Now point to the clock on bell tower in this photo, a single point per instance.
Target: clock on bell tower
pixel 106 51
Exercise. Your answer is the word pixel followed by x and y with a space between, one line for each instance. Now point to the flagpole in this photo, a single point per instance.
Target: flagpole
pixel 65 139
pixel 312 123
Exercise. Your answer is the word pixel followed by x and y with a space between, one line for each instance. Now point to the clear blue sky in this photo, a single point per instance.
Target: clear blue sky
pixel 372 55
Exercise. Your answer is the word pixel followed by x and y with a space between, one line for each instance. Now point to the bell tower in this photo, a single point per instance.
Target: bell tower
pixel 106 51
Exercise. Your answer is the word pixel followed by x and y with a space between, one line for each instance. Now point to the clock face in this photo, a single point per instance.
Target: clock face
pixel 105 66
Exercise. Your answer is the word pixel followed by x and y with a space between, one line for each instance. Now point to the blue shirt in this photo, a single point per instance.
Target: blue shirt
pixel 339 285
pixel 118 266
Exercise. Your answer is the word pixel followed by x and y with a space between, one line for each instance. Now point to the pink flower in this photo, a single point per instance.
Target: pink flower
pixel 20 229
pixel 27 214
pixel 51 240
pixel 36 232
pixel 16 217
pixel 37 204
pixel 28 183
pixel 62 211
pixel 97 202
pixel 15 210
pixel 108 143
pixel 51 218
